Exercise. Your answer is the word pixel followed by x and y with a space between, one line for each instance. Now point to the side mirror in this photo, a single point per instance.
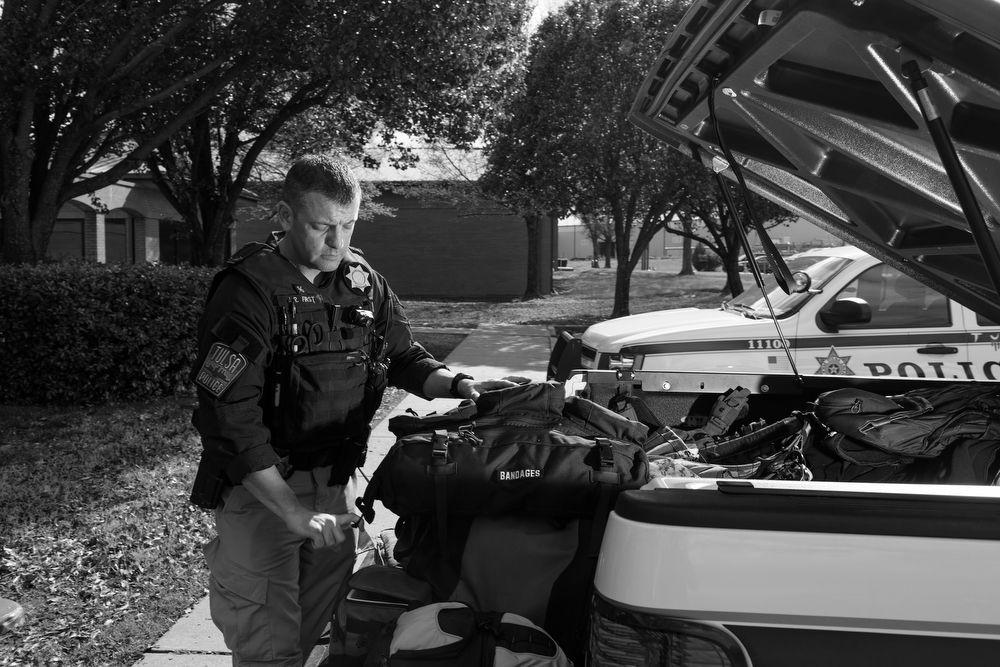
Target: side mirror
pixel 851 310
pixel 801 282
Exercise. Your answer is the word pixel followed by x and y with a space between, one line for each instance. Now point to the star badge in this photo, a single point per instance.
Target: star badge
pixel 357 278
pixel 833 364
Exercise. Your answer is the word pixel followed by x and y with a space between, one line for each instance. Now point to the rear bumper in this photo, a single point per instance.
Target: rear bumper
pixel 708 556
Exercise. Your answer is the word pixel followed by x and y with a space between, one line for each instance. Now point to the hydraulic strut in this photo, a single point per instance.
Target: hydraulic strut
pixel 956 173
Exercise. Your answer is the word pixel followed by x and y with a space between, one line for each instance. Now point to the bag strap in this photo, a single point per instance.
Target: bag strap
pixel 920 406
pixel 366 502
pixel 609 481
pixel 410 422
pixel 439 469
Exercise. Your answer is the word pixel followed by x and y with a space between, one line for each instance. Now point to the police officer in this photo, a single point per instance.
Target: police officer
pixel 297 342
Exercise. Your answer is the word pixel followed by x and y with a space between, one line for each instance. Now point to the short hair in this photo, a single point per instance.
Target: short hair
pixel 322 174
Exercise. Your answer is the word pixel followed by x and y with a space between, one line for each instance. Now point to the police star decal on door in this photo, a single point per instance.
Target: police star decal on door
pixel 833 364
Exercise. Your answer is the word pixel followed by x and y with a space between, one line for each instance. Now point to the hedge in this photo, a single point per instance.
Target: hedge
pixel 84 333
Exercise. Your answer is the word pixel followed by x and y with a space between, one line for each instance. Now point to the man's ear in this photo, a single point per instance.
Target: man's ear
pixel 284 213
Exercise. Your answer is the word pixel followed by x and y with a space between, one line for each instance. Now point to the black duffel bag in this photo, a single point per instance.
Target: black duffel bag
pixel 524 450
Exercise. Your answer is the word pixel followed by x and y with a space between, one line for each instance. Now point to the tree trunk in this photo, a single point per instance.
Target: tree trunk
pixel 731 262
pixel 16 237
pixel 733 281
pixel 212 251
pixel 26 229
pixel 687 268
pixel 218 247
pixel 623 283
pixel 531 290
pixel 15 230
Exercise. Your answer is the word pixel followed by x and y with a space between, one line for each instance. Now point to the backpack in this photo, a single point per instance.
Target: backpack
pixel 949 433
pixel 515 487
pixel 452 634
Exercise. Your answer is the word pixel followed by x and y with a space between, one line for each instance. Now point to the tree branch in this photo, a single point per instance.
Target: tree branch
pixel 116 172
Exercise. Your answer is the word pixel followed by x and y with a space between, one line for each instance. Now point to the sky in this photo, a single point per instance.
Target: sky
pixel 542 8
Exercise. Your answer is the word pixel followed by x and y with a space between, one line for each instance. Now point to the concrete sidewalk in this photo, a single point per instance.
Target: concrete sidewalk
pixel 487 352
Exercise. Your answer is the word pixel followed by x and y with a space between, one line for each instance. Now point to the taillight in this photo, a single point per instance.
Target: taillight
pixel 621 638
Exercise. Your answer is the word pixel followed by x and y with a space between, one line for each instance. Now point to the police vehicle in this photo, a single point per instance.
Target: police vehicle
pixel 859 316
pixel 878 121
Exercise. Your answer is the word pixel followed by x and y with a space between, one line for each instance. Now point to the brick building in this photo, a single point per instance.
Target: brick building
pixel 425 248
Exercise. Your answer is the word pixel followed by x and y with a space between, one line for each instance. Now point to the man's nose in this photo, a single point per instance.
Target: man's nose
pixel 335 237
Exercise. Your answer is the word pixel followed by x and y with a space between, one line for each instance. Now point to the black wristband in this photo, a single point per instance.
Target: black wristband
pixel 454 383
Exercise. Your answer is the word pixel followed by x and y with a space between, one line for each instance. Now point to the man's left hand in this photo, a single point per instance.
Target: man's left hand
pixel 471 389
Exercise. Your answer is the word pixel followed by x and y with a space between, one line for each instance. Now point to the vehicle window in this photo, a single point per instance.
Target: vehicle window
pixel 984 321
pixel 820 270
pixel 897 300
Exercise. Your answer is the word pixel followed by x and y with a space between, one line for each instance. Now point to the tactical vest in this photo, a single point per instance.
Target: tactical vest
pixel 326 374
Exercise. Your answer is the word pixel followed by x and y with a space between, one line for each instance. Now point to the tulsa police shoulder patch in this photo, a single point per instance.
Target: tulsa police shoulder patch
pixel 222 366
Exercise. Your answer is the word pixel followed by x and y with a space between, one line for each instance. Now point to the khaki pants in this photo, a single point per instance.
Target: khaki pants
pixel 270 592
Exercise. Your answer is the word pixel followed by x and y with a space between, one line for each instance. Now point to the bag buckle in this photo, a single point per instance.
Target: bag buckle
pixel 607 454
pixel 439 448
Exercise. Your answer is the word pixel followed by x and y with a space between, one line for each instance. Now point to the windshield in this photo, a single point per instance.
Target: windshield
pixel 820 269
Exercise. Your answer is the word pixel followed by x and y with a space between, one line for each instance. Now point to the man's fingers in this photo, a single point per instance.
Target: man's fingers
pixel 326 529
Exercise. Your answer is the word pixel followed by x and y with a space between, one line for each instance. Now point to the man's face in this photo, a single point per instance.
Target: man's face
pixel 318 230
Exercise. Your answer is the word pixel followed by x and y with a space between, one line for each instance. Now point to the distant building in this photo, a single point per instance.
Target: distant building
pixel 426 248
pixel 128 222
pixel 799 234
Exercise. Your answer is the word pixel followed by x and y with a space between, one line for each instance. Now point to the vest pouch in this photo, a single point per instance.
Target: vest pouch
pixel 323 399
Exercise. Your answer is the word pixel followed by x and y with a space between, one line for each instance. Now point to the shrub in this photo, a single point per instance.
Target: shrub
pixel 84 333
pixel 703 259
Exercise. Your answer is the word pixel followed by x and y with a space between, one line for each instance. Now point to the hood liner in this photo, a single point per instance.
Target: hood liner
pixel 812 102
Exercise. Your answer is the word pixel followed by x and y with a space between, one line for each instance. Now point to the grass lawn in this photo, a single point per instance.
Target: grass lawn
pixel 97 540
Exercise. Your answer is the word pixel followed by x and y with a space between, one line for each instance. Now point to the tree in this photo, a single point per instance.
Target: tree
pixel 566 144
pixel 77 76
pixel 344 72
pixel 705 217
pixel 601 233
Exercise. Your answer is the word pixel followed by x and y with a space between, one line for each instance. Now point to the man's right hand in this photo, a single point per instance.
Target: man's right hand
pixel 324 530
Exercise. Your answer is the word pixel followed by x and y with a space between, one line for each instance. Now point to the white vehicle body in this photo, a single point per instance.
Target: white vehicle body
pixel 877 121
pixel 914 332
pixel 802 573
